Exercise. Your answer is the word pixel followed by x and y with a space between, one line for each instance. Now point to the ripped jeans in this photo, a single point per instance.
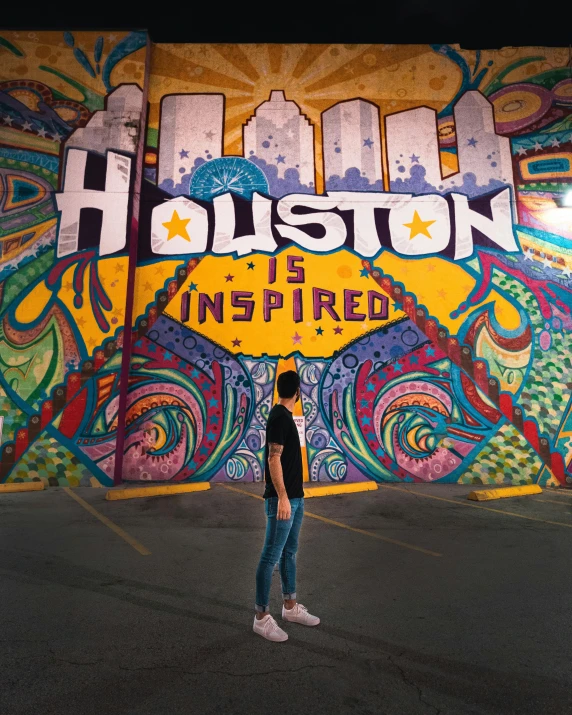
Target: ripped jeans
pixel 280 546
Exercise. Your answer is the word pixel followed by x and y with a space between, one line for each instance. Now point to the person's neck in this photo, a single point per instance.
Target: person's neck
pixel 288 403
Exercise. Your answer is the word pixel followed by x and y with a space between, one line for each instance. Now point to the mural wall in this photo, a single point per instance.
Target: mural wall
pixel 388 220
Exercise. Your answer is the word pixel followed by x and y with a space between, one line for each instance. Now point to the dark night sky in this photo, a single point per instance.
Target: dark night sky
pixel 471 23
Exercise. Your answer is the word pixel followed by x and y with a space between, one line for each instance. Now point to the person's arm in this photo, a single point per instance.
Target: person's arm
pixel 274 452
pixel 275 449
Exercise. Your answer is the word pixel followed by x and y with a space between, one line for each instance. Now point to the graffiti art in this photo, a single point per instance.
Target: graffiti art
pixel 178 227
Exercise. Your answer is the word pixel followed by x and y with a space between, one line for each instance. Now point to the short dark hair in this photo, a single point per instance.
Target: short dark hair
pixel 288 383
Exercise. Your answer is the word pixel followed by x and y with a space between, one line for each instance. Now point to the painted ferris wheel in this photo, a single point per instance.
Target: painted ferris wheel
pixel 228 173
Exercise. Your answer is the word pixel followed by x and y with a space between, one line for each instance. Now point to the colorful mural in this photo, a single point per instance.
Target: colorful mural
pixel 390 221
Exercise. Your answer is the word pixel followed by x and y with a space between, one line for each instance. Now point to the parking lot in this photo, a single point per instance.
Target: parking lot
pixel 429 604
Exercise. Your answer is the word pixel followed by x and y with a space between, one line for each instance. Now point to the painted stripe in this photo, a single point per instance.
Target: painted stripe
pixel 554 501
pixel 104 520
pixel 476 506
pixel 156 491
pixel 339 524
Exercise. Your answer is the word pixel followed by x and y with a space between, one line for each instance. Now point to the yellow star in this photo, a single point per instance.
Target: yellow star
pixel 418 226
pixel 80 322
pixel 147 286
pixel 177 227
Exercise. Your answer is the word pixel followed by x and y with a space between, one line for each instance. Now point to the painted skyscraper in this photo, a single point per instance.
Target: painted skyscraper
pixel 411 138
pixel 115 127
pixel 282 136
pixel 191 128
pixel 413 149
pixel 351 140
pixel 481 150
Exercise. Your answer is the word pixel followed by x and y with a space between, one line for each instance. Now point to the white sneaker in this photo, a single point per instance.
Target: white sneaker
pixel 299 614
pixel 268 628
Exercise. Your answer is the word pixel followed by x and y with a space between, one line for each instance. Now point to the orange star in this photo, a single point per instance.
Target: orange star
pixel 418 226
pixel 177 227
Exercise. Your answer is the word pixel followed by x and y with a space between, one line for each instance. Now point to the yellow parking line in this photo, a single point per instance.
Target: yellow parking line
pixel 475 506
pixel 347 527
pixel 104 520
pixel 559 492
pixel 554 501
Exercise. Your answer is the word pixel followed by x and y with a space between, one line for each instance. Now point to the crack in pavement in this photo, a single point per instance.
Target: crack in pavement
pixel 410 682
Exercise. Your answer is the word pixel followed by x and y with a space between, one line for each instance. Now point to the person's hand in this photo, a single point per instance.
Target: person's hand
pixel 284 508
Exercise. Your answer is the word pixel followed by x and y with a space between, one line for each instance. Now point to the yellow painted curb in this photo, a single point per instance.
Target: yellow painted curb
pixel 22 487
pixel 332 489
pixel 164 490
pixel 488 494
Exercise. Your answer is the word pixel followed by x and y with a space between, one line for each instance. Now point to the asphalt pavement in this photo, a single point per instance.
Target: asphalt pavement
pixel 429 604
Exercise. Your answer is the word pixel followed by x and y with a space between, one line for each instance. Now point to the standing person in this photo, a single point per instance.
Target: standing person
pixel 284 508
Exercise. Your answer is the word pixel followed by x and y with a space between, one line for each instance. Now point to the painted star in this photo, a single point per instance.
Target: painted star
pixel 297 339
pixel 57 137
pixel 414 359
pixel 184 154
pixel 42 133
pixel 213 402
pixel 147 286
pixel 168 356
pixel 364 326
pixel 193 286
pixel 210 436
pixel 521 151
pixel 319 331
pixel 365 420
pixel 195 373
pixel 414 159
pixel 370 387
pixel 26 127
pixel 547 262
pixel 80 322
pixel 364 403
pixel 379 452
pixel 209 135
pixel 442 294
pixel 338 330
pixel 112 38
pixel 8 120
pixel 398 367
pixel 364 273
pixel 215 419
pixel 418 226
pixel 537 146
pixel 159 271
pixel 177 227
pixel 236 342
pixel 229 278
pixel 368 143
pixel 566 272
pixel 472 142
pixel 555 142
pixel 119 268
pixel 250 266
pixel 192 464
pixel 429 351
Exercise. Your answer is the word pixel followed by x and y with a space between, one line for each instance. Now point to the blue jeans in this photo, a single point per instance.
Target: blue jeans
pixel 280 545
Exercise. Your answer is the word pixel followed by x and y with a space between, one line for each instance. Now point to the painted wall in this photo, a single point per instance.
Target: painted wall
pixel 385 219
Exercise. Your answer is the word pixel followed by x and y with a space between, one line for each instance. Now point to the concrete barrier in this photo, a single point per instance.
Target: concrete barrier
pixel 155 491
pixel 503 492
pixel 331 489
pixel 22 487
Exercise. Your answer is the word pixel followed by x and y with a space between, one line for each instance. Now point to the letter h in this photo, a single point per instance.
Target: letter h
pixel 94 203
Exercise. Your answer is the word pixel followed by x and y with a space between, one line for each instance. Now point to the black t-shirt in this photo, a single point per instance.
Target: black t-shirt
pixel 281 429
